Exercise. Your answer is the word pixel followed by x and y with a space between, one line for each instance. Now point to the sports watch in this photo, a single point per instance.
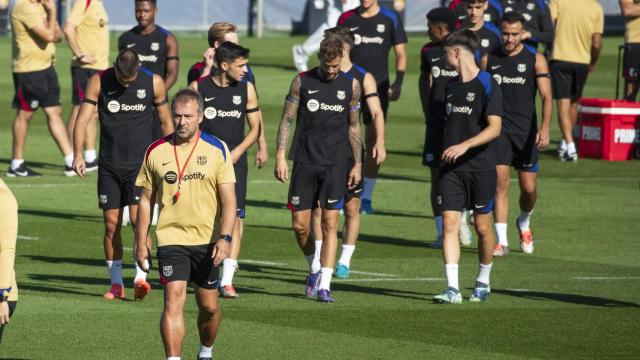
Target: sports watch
pixel 226 237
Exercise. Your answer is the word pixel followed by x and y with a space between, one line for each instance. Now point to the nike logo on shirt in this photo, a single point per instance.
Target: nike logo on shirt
pixel 332 201
pixel 165 163
pixel 495 67
pixel 209 99
pixel 313 91
pixel 129 46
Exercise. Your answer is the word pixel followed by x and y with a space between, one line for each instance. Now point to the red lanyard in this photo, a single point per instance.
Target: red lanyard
pixel 181 172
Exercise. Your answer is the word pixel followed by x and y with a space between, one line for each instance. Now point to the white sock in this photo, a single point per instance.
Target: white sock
pixel 347 253
pixel 463 217
pixel 438 221
pixel 90 155
pixel 369 185
pixel 524 220
pixel 15 163
pixel 310 262
pixel 205 352
pixel 571 148
pixel 140 274
pixel 228 269
pixel 173 358
pixel 68 159
pixel 484 271
pixel 325 279
pixel 315 265
pixel 115 271
pixel 452 275
pixel 563 145
pixel 501 233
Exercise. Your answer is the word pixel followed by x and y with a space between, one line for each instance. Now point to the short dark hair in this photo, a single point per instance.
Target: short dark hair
pixel 343 33
pixel 228 52
pixel 127 63
pixel 151 1
pixel 474 1
pixel 187 94
pixel 513 17
pixel 443 15
pixel 330 48
pixel 463 37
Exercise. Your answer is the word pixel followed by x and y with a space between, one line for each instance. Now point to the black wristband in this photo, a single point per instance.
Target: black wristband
pixel 226 237
pixel 399 77
pixel 89 101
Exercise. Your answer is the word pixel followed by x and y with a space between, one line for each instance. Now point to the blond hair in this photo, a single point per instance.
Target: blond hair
pixel 218 30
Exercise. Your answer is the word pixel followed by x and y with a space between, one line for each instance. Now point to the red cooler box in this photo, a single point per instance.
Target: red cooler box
pixel 609 129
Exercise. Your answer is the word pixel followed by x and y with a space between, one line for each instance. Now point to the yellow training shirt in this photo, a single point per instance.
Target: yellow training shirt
pixel 92 31
pixel 632 30
pixel 195 218
pixel 29 52
pixel 8 237
pixel 576 22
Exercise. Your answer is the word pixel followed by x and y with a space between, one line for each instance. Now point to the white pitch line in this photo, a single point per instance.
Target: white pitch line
pixel 607 277
pixel 43 185
pixel 387 279
pixel 372 273
pixel 259 262
pixel 23 237
pixel 518 290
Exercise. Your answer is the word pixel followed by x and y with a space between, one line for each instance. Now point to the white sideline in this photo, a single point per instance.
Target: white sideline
pixel 372 274
pixel 387 279
pixel 606 277
pixel 23 237
pixel 259 262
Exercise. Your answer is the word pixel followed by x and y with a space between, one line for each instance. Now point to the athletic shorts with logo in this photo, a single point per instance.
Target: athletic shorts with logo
pixel 383 95
pixel 568 79
pixel 116 187
pixel 242 173
pixel 461 190
pixel 79 80
pixel 521 152
pixel 313 185
pixel 631 61
pixel 36 89
pixel 188 263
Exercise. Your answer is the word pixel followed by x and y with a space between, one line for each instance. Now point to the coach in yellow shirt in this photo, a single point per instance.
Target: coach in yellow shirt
pixel 192 174
pixel 579 25
pixel 631 12
pixel 8 237
pixel 35 30
pixel 87 33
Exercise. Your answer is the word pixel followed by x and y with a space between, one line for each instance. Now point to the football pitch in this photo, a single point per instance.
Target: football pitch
pixel 576 297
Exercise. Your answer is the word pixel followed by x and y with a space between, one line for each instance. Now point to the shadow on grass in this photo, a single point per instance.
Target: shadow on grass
pixel 61 215
pixel 267 204
pixel 35 164
pixel 418 179
pixel 53 289
pixel 568 298
pixel 405 153
pixel 69 260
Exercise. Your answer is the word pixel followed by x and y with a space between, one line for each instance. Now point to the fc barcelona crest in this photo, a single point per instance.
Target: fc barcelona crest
pixel 155 46
pixel 484 43
pixel 522 67
pixel 380 28
pixel 167 271
pixel 237 99
pixel 202 160
pixel 341 95
pixel 471 96
pixel 142 93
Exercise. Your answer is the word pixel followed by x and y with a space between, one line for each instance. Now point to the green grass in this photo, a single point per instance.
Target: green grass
pixel 577 297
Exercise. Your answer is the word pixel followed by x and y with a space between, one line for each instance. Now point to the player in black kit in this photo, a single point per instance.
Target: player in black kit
pixel 126 95
pixel 488 34
pixel 326 103
pixel 229 97
pixel 473 104
pixel 538 27
pixel 376 30
pixel 520 72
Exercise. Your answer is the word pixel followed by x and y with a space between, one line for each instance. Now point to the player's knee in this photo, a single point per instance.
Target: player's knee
pixel 210 309
pixel 502 185
pixel 352 208
pixel 301 228
pixel 483 228
pixel 111 228
pixel 450 225
pixel 529 189
pixel 329 224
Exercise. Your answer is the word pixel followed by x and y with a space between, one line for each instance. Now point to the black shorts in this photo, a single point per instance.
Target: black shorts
pixel 383 94
pixel 433 145
pixel 12 308
pixel 568 79
pixel 631 61
pixel 79 80
pixel 357 191
pixel 116 187
pixel 36 89
pixel 188 263
pixel 521 152
pixel 467 190
pixel 313 184
pixel 241 189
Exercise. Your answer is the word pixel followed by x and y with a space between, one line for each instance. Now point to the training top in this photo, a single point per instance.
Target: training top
pixel 433 61
pixel 8 238
pixel 489 38
pixel 322 127
pixel 225 112
pixel 576 22
pixel 538 19
pixel 516 76
pixel 28 51
pixel 374 37
pixel 467 106
pixel 92 32
pixel 151 48
pixel 194 219
pixel 126 116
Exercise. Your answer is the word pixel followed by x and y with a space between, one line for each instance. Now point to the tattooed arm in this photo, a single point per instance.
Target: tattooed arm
pixel 354 135
pixel 288 114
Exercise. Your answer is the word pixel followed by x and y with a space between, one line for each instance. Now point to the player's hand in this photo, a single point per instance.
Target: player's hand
pixel 220 252
pixel 355 176
pixel 209 58
pixel 262 156
pixel 394 91
pixel 282 170
pixel 88 59
pixel 526 35
pixel 4 313
pixel 235 155
pixel 79 166
pixel 143 258
pixel 542 138
pixel 379 153
pixel 452 153
pixel 592 68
